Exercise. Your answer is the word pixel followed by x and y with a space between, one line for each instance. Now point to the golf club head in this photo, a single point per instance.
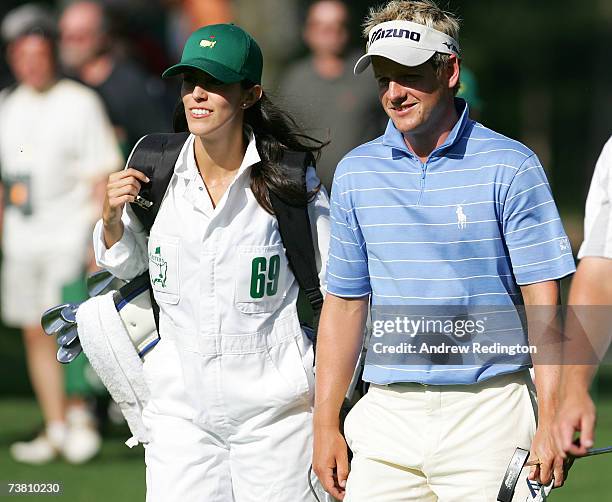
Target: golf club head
pixel 102 282
pixel 69 313
pixel 66 355
pixel 536 491
pixel 517 462
pixel 52 320
pixel 67 335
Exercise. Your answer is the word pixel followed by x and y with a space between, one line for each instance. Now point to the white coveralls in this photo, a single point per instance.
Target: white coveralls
pixel 231 379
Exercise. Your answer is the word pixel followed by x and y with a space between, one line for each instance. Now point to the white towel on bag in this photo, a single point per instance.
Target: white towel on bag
pixel 114 358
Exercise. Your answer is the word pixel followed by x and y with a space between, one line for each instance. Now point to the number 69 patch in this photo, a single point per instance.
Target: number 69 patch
pixel 260 279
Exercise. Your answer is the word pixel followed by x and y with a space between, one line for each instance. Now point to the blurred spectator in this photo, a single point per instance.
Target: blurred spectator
pixel 185 16
pixel 323 93
pixel 56 147
pixel 131 96
pixel 203 12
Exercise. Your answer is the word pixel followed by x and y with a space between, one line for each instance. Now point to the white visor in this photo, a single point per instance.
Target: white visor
pixel 406 43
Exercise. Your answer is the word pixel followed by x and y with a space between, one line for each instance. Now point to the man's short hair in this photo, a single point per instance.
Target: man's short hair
pixel 424 12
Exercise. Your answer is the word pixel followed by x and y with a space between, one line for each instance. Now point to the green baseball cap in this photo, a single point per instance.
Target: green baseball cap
pixel 224 51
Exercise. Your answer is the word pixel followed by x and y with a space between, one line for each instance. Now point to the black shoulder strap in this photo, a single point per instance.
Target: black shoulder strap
pixel 295 230
pixel 155 155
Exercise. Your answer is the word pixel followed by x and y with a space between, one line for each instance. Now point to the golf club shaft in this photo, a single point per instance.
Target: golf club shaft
pixel 598 451
pixel 589 453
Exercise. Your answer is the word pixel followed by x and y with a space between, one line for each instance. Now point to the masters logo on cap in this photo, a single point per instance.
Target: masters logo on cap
pixel 406 43
pixel 208 43
pixel 225 51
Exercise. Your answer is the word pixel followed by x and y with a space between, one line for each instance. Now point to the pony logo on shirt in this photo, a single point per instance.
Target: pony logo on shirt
pixel 157 259
pixel 461 217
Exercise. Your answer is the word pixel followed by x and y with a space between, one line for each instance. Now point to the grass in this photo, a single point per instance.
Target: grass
pixel 116 474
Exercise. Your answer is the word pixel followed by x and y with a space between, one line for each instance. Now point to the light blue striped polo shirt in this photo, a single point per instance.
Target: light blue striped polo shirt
pixel 465 228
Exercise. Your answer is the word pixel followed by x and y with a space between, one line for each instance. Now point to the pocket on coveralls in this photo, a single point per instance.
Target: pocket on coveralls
pixel 290 359
pixel 164 268
pixel 260 278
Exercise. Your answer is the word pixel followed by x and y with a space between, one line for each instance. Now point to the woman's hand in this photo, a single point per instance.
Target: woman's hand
pixel 122 187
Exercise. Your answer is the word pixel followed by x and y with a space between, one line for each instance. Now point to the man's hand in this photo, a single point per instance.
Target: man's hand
pixel 543 448
pixel 338 346
pixel 541 300
pixel 576 414
pixel 588 338
pixel 330 460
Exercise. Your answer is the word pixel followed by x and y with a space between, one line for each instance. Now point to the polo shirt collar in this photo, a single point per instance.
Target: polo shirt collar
pixel 394 138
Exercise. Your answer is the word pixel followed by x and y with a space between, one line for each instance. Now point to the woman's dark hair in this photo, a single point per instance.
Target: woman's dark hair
pixel 275 131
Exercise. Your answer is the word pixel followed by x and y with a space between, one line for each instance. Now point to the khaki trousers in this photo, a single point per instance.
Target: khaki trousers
pixel 414 442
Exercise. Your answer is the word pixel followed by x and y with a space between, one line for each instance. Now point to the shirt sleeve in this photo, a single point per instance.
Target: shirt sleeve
pixel 318 214
pixel 347 267
pixel 127 258
pixel 538 246
pixel 598 210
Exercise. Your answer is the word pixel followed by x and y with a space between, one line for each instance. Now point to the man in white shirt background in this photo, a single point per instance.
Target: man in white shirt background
pixel 56 149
